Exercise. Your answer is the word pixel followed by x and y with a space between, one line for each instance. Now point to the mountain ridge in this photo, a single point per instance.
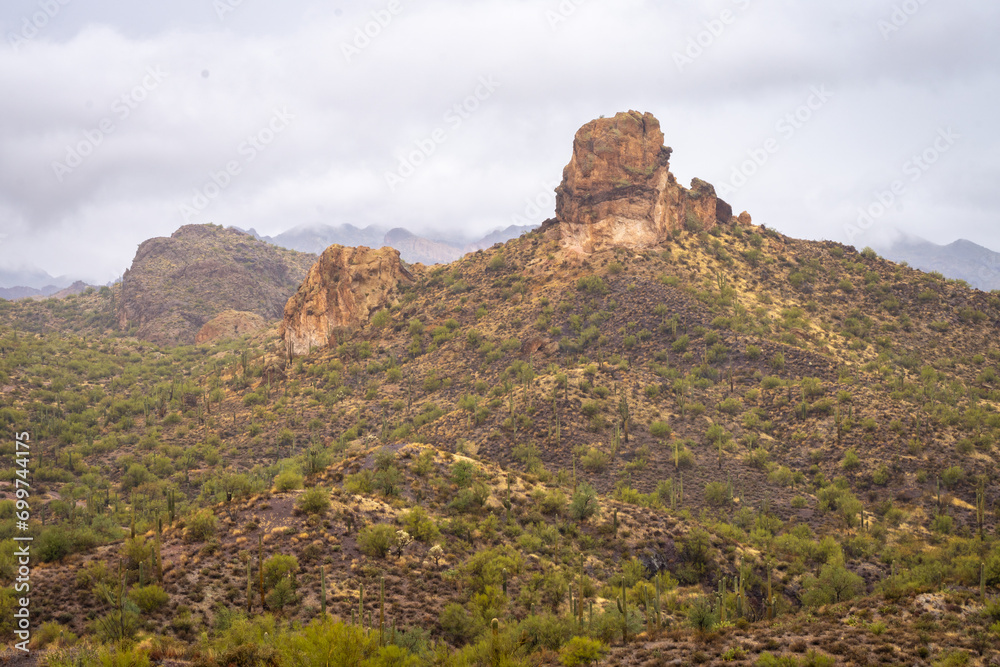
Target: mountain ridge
pixel 709 443
pixel 959 260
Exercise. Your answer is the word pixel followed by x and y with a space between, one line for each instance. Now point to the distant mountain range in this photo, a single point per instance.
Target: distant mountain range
pixel 412 248
pixel 313 239
pixel 30 282
pixel 961 260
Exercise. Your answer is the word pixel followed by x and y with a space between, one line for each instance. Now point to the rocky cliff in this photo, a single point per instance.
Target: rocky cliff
pixel 343 289
pixel 617 189
pixel 176 284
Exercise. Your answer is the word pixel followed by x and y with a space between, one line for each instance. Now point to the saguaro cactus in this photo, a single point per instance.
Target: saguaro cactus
pixel 322 590
pixel 381 613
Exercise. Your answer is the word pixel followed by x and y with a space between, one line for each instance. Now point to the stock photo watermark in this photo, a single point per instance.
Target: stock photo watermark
pixel 562 13
pixel 706 38
pixel 786 128
pixel 93 138
pixel 22 541
pixel 912 170
pixel 366 34
pixel 224 8
pixel 454 118
pixel 33 24
pixel 248 151
pixel 899 17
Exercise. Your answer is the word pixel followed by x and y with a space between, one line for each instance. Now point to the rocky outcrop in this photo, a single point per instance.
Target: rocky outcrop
pixel 617 189
pixel 177 284
pixel 343 289
pixel 230 324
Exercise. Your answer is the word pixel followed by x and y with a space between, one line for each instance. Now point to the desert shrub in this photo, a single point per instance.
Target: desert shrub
pixel 584 503
pixel 591 284
pixel 314 501
pixel 377 540
pixel 881 475
pixel 149 598
pixel 288 480
pixel 545 630
pixel 952 476
pixel 462 473
pixel 701 616
pixel 51 633
pixel 325 643
pixel 717 493
pixel 660 429
pixel 200 527
pixel 594 460
pixel 768 659
pixel 582 651
pixel 458 624
pixel 420 525
pixel 279 567
pixel 850 460
pixel 550 502
pixel 53 544
pixel 943 524
pixel 758 458
pixel 835 584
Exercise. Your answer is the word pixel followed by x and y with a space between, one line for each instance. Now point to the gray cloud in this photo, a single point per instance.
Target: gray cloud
pixel 207 118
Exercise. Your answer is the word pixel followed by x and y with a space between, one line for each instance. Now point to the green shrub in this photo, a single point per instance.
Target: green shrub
pixel 942 524
pixel 584 504
pixel 850 460
pixel 595 460
pixel 768 659
pixel 591 285
pixel 53 544
pixel 381 319
pixel 881 475
pixel 200 527
pixel 835 584
pixel 325 643
pixel 279 567
pixel 458 624
pixel 660 429
pixel 420 525
pixel 952 476
pixel 314 501
pixel 377 540
pixel 582 651
pixel 288 480
pixel 778 361
pixel 149 598
pixel 717 493
pixel 701 616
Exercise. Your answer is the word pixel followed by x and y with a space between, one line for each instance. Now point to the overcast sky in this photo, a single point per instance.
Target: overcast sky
pixel 120 121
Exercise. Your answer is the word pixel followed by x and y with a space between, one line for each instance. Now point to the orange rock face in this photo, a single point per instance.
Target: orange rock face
pixel 617 189
pixel 230 324
pixel 343 289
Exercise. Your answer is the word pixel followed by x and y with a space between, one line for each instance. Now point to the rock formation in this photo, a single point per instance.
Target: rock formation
pixel 176 284
pixel 617 189
pixel 343 289
pixel 230 324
